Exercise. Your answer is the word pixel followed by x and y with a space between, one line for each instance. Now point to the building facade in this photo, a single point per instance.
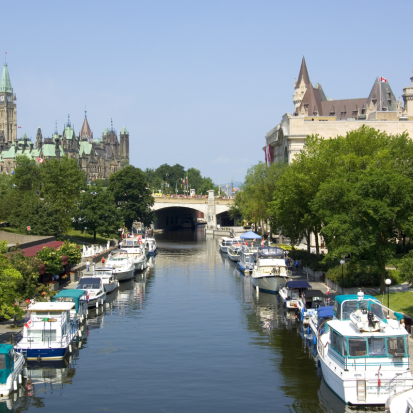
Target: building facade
pixel 98 157
pixel 315 114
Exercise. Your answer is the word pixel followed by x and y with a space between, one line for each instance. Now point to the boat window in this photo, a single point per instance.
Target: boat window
pixel 357 347
pixel 34 335
pixel 395 346
pixel 49 335
pixel 2 361
pixel 348 307
pixel 42 314
pixel 377 346
pixel 377 310
pixel 338 343
pixel 88 286
pixel 294 295
pixel 337 310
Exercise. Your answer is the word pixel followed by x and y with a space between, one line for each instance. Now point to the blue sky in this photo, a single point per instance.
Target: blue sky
pixel 197 83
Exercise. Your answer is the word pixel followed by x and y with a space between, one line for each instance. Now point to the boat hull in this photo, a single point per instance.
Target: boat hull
pixel 124 275
pixel 46 353
pixel 110 288
pixel 270 285
pixel 233 257
pixel 223 249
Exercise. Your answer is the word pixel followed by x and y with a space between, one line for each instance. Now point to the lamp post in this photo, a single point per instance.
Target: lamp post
pixel 342 262
pixel 388 282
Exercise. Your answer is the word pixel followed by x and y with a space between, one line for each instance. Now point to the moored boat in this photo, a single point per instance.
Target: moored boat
pixel 270 272
pixel 364 356
pixel 247 258
pixel 79 297
pixel 150 246
pixel 233 252
pixel 292 293
pixel 226 242
pixel 49 332
pixel 136 251
pixel 310 302
pixel 11 369
pixel 121 265
pixel 110 283
pixel 400 402
pixel 96 294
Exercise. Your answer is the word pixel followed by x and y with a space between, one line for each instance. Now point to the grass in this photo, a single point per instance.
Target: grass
pixel 13 230
pixel 87 237
pixel 401 302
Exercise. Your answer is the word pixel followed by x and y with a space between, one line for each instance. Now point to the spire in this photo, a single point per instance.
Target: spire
pixel 68 121
pixel 5 84
pixel 303 75
pixel 85 133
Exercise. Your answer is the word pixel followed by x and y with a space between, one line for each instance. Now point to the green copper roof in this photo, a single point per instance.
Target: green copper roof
pixel 85 147
pixel 49 149
pixel 5 84
pixel 106 131
pixel 11 153
pixel 124 131
pixel 23 137
pixel 69 133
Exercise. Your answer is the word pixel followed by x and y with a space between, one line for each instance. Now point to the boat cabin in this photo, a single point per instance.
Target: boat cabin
pixel 132 243
pixel 314 299
pixel 7 358
pixel 344 305
pixel 270 252
pixel 79 298
pixel 227 241
pixel 296 289
pixel 92 285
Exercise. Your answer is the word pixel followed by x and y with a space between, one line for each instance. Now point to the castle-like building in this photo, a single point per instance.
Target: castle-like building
pixel 315 114
pixel 98 157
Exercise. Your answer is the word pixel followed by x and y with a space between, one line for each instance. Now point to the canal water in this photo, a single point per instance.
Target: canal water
pixel 190 335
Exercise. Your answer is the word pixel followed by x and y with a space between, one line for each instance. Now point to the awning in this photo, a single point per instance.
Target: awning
pixel 250 235
pixel 298 284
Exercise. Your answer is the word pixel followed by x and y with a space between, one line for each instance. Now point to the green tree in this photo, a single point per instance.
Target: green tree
pixel 26 174
pixel 71 251
pixel 206 186
pixel 7 200
pixel 51 258
pixel 98 212
pixel 130 192
pixel 9 286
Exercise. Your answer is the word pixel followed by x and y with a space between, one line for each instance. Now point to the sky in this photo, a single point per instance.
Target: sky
pixel 195 82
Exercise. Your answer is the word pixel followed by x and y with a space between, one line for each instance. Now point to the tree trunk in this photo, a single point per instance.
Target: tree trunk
pixel 308 236
pixel 404 243
pixel 94 235
pixel 317 247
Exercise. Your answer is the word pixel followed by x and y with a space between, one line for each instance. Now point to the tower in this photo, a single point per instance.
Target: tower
pixel 408 99
pixel 124 145
pixel 301 85
pixel 85 133
pixel 8 120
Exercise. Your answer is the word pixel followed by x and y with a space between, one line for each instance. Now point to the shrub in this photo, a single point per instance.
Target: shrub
pixel 313 261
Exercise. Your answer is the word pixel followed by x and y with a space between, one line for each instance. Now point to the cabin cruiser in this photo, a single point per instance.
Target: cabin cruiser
pixel 292 293
pixel 364 356
pixel 110 283
pixel 79 313
pixel 247 258
pixel 96 294
pixel 136 251
pixel 310 302
pixel 49 332
pixel 270 272
pixel 121 265
pixel 318 319
pixel 233 252
pixel 150 246
pixel 225 242
pixel 11 369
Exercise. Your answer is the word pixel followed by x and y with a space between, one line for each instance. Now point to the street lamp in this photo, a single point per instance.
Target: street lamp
pixel 388 282
pixel 342 262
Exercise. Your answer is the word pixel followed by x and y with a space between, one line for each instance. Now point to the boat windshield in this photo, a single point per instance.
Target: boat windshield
pixel 88 285
pixel 3 361
pixel 350 306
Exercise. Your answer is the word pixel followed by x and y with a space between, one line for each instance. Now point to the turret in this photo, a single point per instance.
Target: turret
pixel 124 145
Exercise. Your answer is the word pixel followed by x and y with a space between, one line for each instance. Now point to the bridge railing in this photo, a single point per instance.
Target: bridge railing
pixel 192 197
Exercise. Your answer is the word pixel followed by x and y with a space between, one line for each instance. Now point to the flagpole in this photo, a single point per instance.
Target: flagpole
pixel 380 94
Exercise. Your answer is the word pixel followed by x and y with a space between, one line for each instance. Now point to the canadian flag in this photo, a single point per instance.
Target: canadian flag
pixel 29 323
pixel 382 79
pixel 40 159
pixel 262 242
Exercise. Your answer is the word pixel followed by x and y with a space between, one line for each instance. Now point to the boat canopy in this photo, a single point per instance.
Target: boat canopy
pixel 267 252
pixel 250 235
pixel 73 294
pixel 298 284
pixel 325 312
pixel 314 293
pixel 346 304
pixel 6 362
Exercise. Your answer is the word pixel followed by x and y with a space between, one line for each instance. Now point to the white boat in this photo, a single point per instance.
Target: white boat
pixel 270 272
pixel 96 294
pixel 49 333
pixel 233 252
pixel 292 292
pixel 320 316
pixel 136 251
pixel 11 369
pixel 225 242
pixel 311 300
pixel 400 402
pixel 110 283
pixel 247 258
pixel 121 265
pixel 78 314
pixel 364 357
pixel 150 246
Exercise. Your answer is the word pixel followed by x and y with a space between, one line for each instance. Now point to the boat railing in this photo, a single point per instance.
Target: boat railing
pixel 399 379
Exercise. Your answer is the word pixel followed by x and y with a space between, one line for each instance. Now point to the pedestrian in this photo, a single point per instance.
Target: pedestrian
pixel 103 261
pixel 296 264
pixel 87 265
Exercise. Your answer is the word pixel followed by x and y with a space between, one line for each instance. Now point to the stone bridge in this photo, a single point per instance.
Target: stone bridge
pixel 210 206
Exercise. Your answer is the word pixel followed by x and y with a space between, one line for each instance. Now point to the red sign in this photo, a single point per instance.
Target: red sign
pixel 28 228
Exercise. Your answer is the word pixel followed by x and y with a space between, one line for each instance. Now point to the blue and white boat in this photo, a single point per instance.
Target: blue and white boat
pixel 247 258
pixel 364 357
pixel 150 246
pixel 11 369
pixel 270 272
pixel 292 294
pixel 49 333
pixel 79 313
pixel 318 319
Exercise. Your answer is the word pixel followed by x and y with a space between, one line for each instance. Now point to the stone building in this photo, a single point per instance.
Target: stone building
pixel 98 157
pixel 315 114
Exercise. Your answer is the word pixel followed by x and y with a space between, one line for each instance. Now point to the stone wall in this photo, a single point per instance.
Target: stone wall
pixel 24 241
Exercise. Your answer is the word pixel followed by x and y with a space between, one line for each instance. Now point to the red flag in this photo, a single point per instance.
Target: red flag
pixel 382 79
pixel 379 376
pixel 262 242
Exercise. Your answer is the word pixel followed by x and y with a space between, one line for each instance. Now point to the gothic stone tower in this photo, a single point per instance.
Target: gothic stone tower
pixel 8 120
pixel 301 85
pixel 124 145
pixel 408 99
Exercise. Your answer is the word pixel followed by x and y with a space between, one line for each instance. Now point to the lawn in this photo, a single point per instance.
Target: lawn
pixel 401 302
pixel 86 237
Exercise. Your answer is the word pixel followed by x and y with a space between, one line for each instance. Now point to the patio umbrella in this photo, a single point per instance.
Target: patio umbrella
pixel 250 235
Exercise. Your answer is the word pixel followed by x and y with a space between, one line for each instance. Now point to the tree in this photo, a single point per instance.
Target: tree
pixel 130 192
pixel 9 280
pixel 367 198
pixel 97 211
pixel 206 186
pixel 71 251
pixel 51 259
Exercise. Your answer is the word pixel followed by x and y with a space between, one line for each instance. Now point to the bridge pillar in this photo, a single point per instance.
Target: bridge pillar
pixel 211 215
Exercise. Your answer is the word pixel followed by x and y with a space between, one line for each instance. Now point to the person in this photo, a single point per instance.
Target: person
pixel 103 261
pixel 87 265
pixel 296 264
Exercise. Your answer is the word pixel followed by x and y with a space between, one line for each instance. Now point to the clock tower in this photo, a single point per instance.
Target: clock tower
pixel 8 120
